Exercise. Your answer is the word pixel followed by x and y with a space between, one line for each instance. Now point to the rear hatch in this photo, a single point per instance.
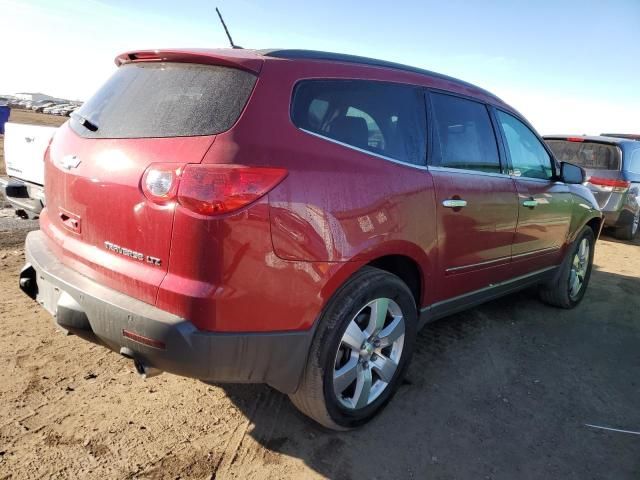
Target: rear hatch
pixel 147 113
pixel 602 162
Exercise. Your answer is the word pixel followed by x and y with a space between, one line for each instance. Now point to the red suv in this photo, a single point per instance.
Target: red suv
pixel 294 217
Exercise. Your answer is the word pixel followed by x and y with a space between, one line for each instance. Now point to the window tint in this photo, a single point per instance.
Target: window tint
pixel 464 136
pixel 166 100
pixel 528 156
pixel 591 155
pixel 382 118
pixel 375 138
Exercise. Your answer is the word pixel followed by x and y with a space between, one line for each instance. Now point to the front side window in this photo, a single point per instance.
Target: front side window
pixel 463 135
pixel 382 118
pixel 528 157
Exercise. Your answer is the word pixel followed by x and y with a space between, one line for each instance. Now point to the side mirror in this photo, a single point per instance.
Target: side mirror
pixel 570 173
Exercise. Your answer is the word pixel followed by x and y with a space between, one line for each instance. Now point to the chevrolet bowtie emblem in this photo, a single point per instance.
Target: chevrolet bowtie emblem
pixel 69 162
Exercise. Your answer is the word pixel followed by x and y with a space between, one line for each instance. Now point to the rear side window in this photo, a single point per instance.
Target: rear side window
pixel 382 118
pixel 166 100
pixel 464 136
pixel 591 155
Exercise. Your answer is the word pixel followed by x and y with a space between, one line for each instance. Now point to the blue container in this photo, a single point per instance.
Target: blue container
pixel 4 117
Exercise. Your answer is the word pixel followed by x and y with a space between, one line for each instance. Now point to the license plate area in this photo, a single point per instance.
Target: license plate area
pixel 48 295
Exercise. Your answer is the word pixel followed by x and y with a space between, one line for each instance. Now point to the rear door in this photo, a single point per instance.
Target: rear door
pixel 147 113
pixel 544 204
pixel 476 200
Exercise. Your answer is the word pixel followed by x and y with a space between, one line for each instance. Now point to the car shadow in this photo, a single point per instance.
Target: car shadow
pixel 608 236
pixel 500 391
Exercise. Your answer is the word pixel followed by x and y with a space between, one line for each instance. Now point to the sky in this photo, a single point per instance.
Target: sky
pixel 567 66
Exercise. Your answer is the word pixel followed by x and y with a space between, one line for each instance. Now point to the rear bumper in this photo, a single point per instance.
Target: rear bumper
pixel 23 195
pixel 620 209
pixel 101 315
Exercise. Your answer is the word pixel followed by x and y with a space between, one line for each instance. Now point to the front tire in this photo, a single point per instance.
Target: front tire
pixel 359 354
pixel 568 287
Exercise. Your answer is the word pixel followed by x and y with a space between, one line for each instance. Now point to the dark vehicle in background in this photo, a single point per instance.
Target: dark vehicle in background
pixel 613 175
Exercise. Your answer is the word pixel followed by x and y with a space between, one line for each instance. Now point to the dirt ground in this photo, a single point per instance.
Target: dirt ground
pixel 500 392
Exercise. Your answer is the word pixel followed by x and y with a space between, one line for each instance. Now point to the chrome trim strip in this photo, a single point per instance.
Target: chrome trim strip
pixel 468 172
pixel 536 180
pixel 536 252
pixel 480 264
pixel 502 259
pixel 487 288
pixel 361 150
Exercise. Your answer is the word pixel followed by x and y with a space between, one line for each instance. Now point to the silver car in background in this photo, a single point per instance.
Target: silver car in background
pixel 613 175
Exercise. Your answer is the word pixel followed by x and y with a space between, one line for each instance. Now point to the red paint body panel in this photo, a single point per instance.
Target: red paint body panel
pixel 273 265
pixel 237 283
pixel 547 225
pixel 542 231
pixel 103 193
pixel 475 241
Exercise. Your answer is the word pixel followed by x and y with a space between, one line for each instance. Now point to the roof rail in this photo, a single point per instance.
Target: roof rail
pixel 293 54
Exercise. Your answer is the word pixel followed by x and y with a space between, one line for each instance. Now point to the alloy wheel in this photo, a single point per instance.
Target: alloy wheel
pixel 579 267
pixel 369 353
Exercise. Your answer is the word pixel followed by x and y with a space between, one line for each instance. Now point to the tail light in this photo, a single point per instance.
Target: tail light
pixel 160 182
pixel 618 186
pixel 218 189
pixel 209 189
pixel 575 139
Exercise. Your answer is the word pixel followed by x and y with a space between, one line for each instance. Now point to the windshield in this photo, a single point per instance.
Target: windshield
pixel 165 100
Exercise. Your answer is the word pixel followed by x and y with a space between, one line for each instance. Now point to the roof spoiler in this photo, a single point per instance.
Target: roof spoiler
pixel 227 58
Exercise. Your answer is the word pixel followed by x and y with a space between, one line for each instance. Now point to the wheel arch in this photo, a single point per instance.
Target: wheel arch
pixel 405 268
pixel 595 224
pixel 407 261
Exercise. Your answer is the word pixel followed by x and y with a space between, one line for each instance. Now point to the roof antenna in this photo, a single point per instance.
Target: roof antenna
pixel 226 30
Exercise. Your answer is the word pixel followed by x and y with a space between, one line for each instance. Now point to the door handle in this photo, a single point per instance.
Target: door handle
pixel 531 203
pixel 454 203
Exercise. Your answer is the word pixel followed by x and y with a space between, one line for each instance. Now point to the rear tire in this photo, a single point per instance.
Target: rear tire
pixel 360 351
pixel 630 230
pixel 567 288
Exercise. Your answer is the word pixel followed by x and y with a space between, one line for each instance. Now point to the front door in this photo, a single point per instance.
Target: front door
pixel 476 200
pixel 544 204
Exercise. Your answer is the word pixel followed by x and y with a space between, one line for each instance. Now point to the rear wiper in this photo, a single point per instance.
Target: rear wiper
pixel 85 122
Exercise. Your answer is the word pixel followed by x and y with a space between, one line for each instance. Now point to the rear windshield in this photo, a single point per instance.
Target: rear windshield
pixel 591 155
pixel 144 100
